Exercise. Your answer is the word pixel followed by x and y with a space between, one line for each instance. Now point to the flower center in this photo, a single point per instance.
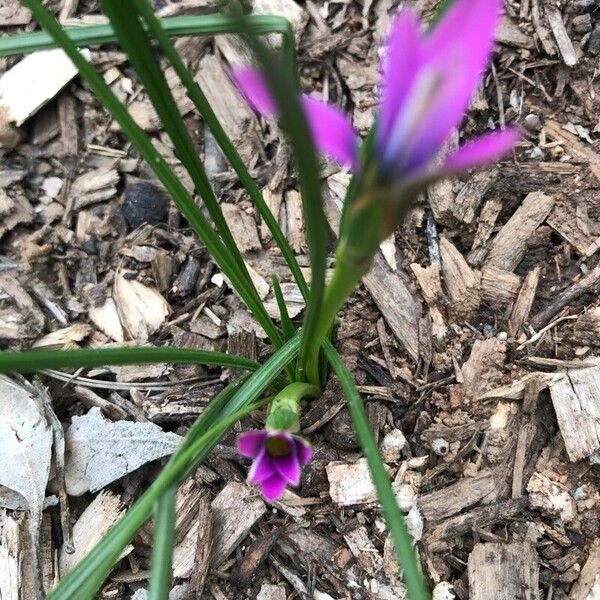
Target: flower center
pixel 278 446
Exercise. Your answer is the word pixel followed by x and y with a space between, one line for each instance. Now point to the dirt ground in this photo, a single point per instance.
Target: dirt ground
pixel 474 340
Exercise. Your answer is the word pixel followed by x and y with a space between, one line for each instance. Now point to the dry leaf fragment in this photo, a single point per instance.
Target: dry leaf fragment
pixel 100 451
pixel 25 449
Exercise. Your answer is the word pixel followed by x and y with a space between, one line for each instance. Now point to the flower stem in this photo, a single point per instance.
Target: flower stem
pixel 284 409
pixel 346 275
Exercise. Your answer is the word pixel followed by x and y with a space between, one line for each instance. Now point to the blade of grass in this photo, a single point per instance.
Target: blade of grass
pixel 144 146
pixel 283 81
pixel 235 401
pixel 413 578
pixel 162 546
pixel 92 35
pixel 156 29
pixel 135 43
pixel 29 361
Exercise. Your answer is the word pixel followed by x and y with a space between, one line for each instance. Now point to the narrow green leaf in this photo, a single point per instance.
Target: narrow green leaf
pixel 234 402
pixel 144 146
pixel 29 361
pixel 417 590
pixel 135 43
pixel 283 81
pixel 159 32
pixel 91 35
pixel 162 546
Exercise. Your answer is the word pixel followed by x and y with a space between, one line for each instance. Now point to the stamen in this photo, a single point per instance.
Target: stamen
pixel 278 446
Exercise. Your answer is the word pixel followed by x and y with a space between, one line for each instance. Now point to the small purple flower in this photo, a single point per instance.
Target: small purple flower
pixel 428 80
pixel 277 460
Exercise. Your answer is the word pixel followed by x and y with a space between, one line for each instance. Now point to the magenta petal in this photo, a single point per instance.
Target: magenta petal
pixel 262 468
pixel 400 65
pixel 459 49
pixel 273 487
pixel 332 131
pixel 288 467
pixel 257 92
pixel 251 443
pixel 303 451
pixel 484 149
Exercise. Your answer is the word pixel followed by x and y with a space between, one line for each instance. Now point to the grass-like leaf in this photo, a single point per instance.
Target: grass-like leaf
pixel 417 590
pixel 136 44
pixel 144 146
pixel 233 403
pixel 159 32
pixel 29 361
pixel 283 81
pixel 91 35
pixel 162 546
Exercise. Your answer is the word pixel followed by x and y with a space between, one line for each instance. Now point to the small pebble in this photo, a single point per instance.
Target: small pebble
pixel 532 122
pixel 440 446
pixel 52 186
pixel 144 202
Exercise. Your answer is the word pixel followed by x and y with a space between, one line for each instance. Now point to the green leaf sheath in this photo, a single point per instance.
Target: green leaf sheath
pixel 417 590
pixel 29 361
pixel 144 146
pixel 162 547
pixel 87 577
pixel 158 31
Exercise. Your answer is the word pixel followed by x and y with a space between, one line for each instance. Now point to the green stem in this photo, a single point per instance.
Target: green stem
pixel 284 409
pixel 344 281
pixel 407 558
pixel 162 551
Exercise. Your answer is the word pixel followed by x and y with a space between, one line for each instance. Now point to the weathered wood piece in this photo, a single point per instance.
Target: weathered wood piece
pixel 235 510
pixel 18 577
pixel 94 522
pixel 587 587
pixel 576 400
pixel 470 196
pixel 239 122
pixel 591 281
pixel 460 280
pixel 243 228
pixel 350 483
pixel 563 41
pixel 510 245
pixel 577 148
pixel 503 572
pixel 524 301
pixel 499 286
pixel 32 82
pixel 465 493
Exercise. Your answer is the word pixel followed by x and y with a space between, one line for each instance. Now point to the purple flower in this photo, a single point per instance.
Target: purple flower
pixel 277 460
pixel 428 80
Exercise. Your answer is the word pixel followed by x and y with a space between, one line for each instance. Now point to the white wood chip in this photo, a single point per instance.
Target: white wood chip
pixel 142 309
pixel 99 451
pixel 33 81
pixel 235 510
pixel 576 400
pixel 350 483
pixel 92 525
